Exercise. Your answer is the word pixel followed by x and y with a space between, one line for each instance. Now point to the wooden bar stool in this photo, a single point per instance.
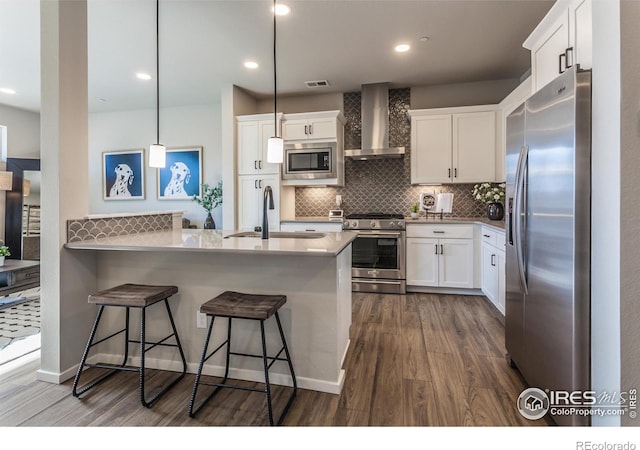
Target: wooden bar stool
pixel 131 296
pixel 236 305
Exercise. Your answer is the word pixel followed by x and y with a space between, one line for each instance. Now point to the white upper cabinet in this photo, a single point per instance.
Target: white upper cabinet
pixel 253 133
pixel 324 125
pixel 561 40
pixel 453 145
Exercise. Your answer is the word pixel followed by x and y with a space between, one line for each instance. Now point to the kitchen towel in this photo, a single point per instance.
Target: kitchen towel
pixel 444 203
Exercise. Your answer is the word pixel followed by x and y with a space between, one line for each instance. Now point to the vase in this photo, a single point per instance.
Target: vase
pixel 495 211
pixel 209 224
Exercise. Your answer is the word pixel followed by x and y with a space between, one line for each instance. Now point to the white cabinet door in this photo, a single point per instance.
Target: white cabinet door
pixel 580 21
pixel 251 199
pixel 546 61
pixel 456 263
pixel 422 262
pixel 489 273
pixel 249 147
pixel 295 129
pixel 501 281
pixel 431 149
pixel 252 147
pixel 322 129
pixel 474 147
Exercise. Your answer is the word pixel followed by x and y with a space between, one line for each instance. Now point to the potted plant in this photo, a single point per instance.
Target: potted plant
pixel 211 198
pixel 4 251
pixel 414 211
pixel 493 195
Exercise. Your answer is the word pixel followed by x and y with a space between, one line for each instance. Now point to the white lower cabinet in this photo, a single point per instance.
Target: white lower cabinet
pixel 446 262
pixel 493 267
pixel 251 199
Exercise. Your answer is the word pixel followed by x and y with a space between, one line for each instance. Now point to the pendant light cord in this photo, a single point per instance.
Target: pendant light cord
pixel 157 71
pixel 275 76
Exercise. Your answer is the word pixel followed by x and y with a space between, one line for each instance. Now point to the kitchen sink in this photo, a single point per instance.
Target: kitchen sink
pixel 279 235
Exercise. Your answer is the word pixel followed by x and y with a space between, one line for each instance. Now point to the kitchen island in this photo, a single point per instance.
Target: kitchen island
pixel 312 269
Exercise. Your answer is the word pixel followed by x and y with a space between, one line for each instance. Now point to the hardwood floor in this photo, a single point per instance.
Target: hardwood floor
pixel 414 360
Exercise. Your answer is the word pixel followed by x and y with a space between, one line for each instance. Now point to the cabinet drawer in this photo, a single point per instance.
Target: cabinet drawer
pixel 440 231
pixel 489 236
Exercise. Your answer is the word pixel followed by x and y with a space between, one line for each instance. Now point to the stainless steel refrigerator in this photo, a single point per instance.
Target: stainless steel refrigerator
pixel 548 218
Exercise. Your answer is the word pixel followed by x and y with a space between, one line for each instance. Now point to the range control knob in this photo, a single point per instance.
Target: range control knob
pixel 392 224
pixel 354 224
pixel 373 224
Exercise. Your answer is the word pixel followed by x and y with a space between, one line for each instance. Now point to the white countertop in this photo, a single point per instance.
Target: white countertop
pixel 215 241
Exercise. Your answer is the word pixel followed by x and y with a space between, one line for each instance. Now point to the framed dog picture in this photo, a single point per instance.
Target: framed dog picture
pixel 181 178
pixel 123 175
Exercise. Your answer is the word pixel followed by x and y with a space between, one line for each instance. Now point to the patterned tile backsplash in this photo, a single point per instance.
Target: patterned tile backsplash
pixel 382 185
pixel 84 229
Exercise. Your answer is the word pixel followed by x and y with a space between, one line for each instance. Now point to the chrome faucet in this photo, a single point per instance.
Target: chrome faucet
pixel 268 193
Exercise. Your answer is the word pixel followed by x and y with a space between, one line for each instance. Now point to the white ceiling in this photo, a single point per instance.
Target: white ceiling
pixel 203 44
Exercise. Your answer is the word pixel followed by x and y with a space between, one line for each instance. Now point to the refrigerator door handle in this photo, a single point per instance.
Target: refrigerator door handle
pixel 517 214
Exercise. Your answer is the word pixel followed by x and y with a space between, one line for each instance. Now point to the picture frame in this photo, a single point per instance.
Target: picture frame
pixel 123 175
pixel 181 178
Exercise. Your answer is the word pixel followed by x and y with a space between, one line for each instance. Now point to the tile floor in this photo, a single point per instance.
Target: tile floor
pixel 19 324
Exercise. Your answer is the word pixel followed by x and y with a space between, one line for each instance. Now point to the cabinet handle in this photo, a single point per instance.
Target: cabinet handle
pixel 260 184
pixel 306 129
pixel 449 175
pixel 569 57
pixel 309 229
pixel 310 129
pixel 439 232
pixel 562 55
pixel 255 164
pixel 441 249
pixel 255 184
pixel 493 260
pixel 486 235
pixel 436 246
pixel 260 164
pixel 455 173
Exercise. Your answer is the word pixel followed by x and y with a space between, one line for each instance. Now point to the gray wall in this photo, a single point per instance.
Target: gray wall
pixel 629 195
pixel 300 104
pixel 462 94
pixel 23 132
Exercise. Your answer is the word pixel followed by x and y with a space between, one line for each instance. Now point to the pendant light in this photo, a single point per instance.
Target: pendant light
pixel 275 144
pixel 157 151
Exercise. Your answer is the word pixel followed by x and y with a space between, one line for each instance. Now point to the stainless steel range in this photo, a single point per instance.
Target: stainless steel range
pixel 378 252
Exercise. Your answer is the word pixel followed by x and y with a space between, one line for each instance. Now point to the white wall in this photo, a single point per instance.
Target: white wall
pixel 179 127
pixel 23 132
pixel 605 223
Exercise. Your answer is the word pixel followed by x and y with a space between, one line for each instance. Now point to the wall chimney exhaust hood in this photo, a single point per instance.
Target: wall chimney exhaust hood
pixel 375 125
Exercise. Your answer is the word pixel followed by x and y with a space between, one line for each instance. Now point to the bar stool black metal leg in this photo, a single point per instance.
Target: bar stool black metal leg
pixel 228 357
pixel 126 337
pixel 85 354
pixel 267 386
pixel 142 352
pixel 175 334
pixel 203 358
pixel 293 375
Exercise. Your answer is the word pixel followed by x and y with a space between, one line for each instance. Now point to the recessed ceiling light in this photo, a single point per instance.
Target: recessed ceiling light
pixel 251 64
pixel 402 48
pixel 7 91
pixel 102 100
pixel 424 38
pixel 143 76
pixel 281 9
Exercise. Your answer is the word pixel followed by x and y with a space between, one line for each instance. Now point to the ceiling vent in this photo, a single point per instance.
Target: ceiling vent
pixel 317 83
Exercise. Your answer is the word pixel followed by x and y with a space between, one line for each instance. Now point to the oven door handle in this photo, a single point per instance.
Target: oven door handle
pixel 378 234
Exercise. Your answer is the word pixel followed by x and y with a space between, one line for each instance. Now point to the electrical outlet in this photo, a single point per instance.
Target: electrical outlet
pixel 201 320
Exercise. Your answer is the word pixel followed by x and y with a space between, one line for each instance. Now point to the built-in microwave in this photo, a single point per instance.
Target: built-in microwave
pixel 309 161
